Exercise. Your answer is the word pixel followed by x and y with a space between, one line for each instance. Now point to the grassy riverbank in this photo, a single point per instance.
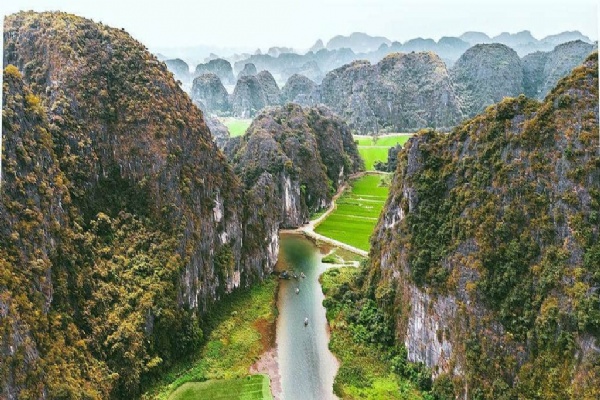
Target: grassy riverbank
pixel 362 340
pixel 239 331
pixel 355 217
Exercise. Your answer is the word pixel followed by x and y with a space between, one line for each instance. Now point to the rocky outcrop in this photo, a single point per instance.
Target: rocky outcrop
pixel 489 244
pixel 220 67
pixel 179 68
pixel 269 88
pixel 209 94
pixel 219 132
pixel 543 70
pixel 122 223
pixel 248 97
pixel 392 160
pixel 401 93
pixel 248 70
pixel 485 74
pixel 297 158
pixel 300 90
pixel 253 93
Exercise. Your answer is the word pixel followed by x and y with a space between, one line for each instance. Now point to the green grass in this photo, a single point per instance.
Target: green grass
pixel 236 126
pixel 365 369
pixel 357 212
pixel 371 149
pixel 255 387
pixel 233 344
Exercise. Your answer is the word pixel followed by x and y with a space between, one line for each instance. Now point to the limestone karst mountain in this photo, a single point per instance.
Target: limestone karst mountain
pixel 401 93
pixel 542 70
pixel 485 74
pixel 218 66
pixel 252 93
pixel 269 87
pixel 487 255
pixel 248 70
pixel 358 42
pixel 209 94
pixel 300 90
pixel 122 223
pixel 301 155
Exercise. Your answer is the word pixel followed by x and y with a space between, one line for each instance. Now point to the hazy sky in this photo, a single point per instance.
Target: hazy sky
pixel 298 23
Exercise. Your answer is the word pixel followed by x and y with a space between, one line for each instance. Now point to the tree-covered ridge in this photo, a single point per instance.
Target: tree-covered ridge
pixel 309 148
pixel 494 228
pixel 129 218
pixel 42 349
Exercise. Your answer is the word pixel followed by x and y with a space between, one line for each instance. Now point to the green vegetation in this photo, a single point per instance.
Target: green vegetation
pixel 241 328
pixel 371 367
pixel 373 149
pixel 492 217
pixel 357 212
pixel 109 255
pixel 236 126
pixel 255 387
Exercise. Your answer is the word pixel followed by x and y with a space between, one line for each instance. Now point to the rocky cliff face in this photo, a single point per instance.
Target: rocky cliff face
pixel 403 92
pixel 219 132
pixel 248 97
pixel 134 221
pixel 210 95
pixel 485 74
pixel 488 244
pixel 220 67
pixel 253 93
pixel 300 90
pixel 298 157
pixel 269 88
pixel 542 70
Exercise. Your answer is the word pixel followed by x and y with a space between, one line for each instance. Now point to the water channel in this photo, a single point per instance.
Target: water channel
pixel 306 365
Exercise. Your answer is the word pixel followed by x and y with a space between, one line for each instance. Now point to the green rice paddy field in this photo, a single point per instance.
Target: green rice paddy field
pixel 236 126
pixel 372 149
pixel 255 387
pixel 357 211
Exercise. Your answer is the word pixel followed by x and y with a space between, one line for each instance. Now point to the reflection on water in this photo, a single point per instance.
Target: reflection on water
pixel 306 365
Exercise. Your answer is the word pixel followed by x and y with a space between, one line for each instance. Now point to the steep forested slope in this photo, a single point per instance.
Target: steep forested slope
pixel 304 154
pixel 122 222
pixel 487 252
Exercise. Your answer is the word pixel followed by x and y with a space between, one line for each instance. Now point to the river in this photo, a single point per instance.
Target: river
pixel 306 365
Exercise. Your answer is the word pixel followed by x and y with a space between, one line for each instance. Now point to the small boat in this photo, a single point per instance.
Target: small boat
pixel 302 275
pixel 297 290
pixel 306 321
pixel 284 275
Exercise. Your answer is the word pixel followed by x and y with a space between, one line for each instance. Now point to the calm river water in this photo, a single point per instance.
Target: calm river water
pixel 306 365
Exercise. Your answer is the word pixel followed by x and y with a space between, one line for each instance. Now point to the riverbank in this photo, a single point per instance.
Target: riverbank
pixel 239 331
pixel 367 370
pixel 309 228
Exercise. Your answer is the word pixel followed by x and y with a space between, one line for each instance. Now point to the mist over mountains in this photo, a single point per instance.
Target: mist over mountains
pixel 372 48
pixel 390 87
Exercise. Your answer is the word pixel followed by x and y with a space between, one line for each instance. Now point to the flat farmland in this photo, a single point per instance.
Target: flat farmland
pixel 373 149
pixel 357 212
